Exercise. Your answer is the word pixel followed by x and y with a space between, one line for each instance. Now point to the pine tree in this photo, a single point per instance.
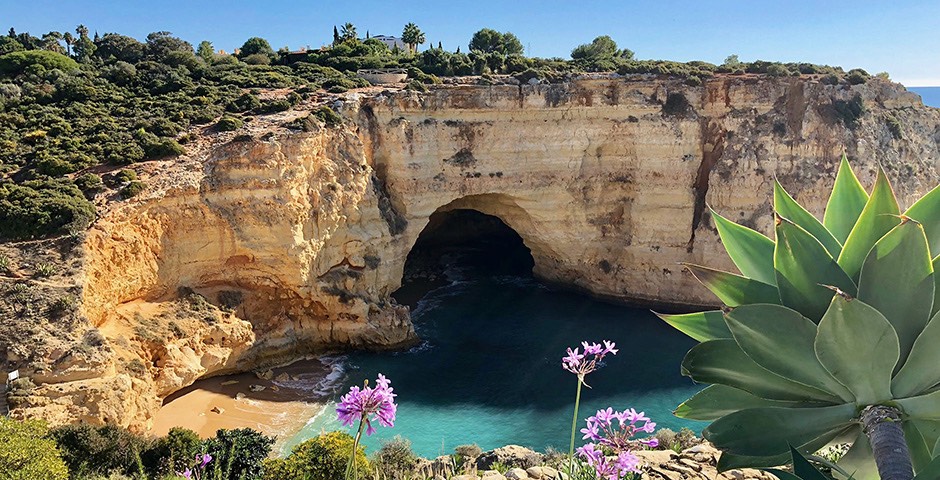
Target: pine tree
pixel 335 36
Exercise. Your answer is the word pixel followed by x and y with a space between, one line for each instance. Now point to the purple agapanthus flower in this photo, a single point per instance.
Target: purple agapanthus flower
pixel 201 461
pixel 614 431
pixel 582 364
pixel 369 404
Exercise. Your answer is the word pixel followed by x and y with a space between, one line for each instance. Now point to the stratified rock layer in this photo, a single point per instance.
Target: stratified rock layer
pixel 301 238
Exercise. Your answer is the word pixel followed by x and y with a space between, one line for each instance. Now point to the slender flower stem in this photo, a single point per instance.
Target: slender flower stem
pixel 352 458
pixel 574 426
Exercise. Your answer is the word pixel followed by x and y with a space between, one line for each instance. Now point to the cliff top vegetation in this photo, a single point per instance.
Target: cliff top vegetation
pixel 74 107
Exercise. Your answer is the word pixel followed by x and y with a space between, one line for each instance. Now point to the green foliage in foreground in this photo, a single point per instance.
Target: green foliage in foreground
pixel 237 454
pixel 27 452
pixel 322 458
pixel 832 317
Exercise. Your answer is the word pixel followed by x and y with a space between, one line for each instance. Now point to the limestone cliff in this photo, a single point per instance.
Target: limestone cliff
pixel 260 248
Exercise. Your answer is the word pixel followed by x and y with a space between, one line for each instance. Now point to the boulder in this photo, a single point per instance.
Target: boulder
pixel 517 474
pixel 493 475
pixel 510 456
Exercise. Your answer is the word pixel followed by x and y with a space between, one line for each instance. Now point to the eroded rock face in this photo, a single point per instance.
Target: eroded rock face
pixel 607 180
pixel 264 250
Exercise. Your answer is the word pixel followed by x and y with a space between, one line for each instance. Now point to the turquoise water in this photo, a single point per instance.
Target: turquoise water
pixel 930 95
pixel 489 370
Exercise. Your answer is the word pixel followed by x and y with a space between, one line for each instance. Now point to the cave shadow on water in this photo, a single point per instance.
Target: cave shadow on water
pixel 494 336
pixel 489 368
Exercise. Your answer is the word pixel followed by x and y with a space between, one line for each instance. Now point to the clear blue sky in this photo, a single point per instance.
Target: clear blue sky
pixel 902 38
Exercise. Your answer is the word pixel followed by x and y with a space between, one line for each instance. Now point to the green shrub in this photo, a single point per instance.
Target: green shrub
pixel 61 306
pixel 395 460
pixel 18 62
pixel 257 59
pixel 244 103
pixel 273 106
pixel 27 452
pixel 38 208
pixel 89 183
pixel 45 270
pixel 89 450
pixel 894 126
pixel 237 454
pixel 416 86
pixel 322 458
pixel 857 76
pixel 849 111
pixel 6 266
pixel 229 123
pixel 125 176
pixel 328 116
pixel 132 189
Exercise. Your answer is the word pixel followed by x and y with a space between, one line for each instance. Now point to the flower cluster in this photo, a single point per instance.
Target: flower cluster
pixel 368 404
pixel 201 462
pixel 582 364
pixel 614 431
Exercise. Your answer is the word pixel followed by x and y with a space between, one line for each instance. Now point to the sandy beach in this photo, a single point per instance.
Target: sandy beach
pixel 279 406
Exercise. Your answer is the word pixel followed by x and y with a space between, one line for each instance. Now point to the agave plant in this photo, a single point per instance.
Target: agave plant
pixel 829 333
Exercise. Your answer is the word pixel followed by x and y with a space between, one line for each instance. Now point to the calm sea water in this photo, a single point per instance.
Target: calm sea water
pixel 931 95
pixel 489 370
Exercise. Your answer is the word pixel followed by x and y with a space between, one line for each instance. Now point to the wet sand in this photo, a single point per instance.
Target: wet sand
pixel 292 396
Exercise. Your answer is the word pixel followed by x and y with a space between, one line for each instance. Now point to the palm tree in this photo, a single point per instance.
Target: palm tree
pixel 50 41
pixel 81 30
pixel 69 41
pixel 348 32
pixel 412 36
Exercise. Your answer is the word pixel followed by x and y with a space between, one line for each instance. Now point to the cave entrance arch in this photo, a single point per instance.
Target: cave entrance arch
pixel 466 237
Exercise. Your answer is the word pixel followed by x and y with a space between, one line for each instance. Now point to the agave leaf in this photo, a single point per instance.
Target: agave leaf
pixel 930 430
pixel 723 362
pixel 859 348
pixel 917 446
pixel 930 472
pixel 897 279
pixel 786 207
pixel 927 212
pixel 804 469
pixel 878 218
pixel 729 461
pixel 781 475
pixel 859 461
pixel 702 326
pixel 782 341
pixel 751 252
pixel 846 202
pixel 923 407
pixel 769 431
pixel 716 401
pixel 734 290
pixel 936 288
pixel 804 268
pixel 920 371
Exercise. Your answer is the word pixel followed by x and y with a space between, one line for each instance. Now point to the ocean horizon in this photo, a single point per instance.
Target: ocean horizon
pixel 930 95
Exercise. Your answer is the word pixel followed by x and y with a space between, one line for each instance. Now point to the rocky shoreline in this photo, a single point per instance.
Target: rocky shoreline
pixel 514 462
